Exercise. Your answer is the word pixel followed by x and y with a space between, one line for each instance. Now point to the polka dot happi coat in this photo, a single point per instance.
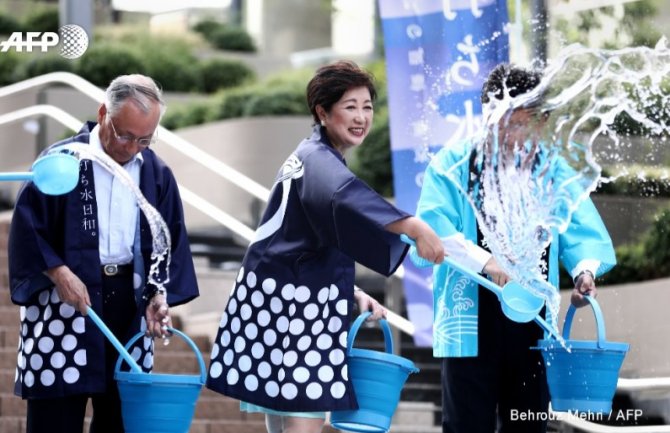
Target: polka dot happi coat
pixel 56 354
pixel 295 343
pixel 282 339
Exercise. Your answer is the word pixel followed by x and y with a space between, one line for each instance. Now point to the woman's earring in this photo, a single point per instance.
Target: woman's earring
pixel 323 123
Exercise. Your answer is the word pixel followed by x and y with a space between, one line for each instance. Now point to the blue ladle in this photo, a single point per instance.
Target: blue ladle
pixel 53 174
pixel 112 339
pixel 518 303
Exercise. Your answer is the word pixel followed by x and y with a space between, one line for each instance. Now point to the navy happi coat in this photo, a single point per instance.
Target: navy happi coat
pixel 61 352
pixel 283 335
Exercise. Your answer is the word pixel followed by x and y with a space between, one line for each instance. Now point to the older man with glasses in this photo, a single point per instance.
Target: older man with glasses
pixel 92 247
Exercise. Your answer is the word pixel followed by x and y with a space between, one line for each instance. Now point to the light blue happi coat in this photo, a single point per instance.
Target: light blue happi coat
pixel 446 209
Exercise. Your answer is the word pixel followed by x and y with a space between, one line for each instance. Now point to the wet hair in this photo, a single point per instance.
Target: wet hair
pixel 141 89
pixel 515 79
pixel 330 82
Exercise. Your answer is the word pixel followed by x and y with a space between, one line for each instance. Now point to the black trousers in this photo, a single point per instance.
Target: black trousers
pixel 66 414
pixel 503 389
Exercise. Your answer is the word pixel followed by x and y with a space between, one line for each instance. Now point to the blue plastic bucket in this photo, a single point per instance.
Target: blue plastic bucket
pixel 377 378
pixel 584 379
pixel 56 173
pixel 160 403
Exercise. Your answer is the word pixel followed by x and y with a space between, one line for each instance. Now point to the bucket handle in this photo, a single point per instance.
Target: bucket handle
pixel 388 338
pixel 194 348
pixel 600 321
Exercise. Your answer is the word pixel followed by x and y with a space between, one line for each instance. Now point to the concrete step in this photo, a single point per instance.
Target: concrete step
pixel 9 336
pixel 17 424
pixel 11 405
pixel 12 424
pixel 9 316
pixel 5 298
pixel 7 375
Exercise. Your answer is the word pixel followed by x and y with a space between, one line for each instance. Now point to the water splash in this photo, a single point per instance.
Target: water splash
pixel 160 235
pixel 531 171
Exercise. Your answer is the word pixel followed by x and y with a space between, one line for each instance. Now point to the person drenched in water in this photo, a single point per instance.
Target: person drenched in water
pixel 92 248
pixel 491 380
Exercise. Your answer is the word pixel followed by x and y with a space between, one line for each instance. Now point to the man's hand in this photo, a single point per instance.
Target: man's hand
pixel 495 272
pixel 70 288
pixel 584 285
pixel 158 317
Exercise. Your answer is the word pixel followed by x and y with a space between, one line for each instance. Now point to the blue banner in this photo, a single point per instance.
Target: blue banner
pixel 438 54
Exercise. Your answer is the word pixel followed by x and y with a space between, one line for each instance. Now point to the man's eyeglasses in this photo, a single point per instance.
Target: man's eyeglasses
pixel 126 139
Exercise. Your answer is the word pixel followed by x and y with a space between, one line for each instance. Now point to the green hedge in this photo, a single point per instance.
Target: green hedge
pixel 217 74
pixel 654 183
pixel 8 66
pixel 372 161
pixel 224 36
pixel 42 19
pixel 647 259
pixel 188 115
pixel 276 102
pixel 41 65
pixel 9 25
pixel 247 101
pixel 103 62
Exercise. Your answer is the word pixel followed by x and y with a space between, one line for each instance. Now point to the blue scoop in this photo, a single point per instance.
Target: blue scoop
pixel 53 174
pixel 518 303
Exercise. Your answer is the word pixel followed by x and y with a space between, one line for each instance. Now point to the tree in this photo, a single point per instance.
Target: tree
pixel 634 28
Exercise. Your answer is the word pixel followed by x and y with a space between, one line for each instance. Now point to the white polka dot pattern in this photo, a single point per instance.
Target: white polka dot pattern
pixel 286 341
pixel 51 350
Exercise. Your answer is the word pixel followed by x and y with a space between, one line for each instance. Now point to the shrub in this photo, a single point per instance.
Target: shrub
pixel 168 60
pixel 647 259
pixel 42 20
pixel 8 24
pixel 221 73
pixel 653 184
pixel 174 74
pixel 277 102
pixel 206 27
pixel 372 161
pixel 232 39
pixel 40 65
pixel 102 63
pixel 187 115
pixel 8 65
pixel 231 103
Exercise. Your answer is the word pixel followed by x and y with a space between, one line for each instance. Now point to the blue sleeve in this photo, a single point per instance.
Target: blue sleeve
pixel 586 236
pixel 350 215
pixel 440 203
pixel 35 242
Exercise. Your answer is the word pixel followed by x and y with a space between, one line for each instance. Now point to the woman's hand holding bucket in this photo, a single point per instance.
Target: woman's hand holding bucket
pixel 368 303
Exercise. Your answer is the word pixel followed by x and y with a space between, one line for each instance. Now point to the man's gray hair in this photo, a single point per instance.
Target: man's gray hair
pixel 139 88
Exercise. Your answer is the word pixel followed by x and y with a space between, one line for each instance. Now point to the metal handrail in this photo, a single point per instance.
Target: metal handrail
pixel 167 136
pixel 42 110
pixel 187 195
pixel 177 143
